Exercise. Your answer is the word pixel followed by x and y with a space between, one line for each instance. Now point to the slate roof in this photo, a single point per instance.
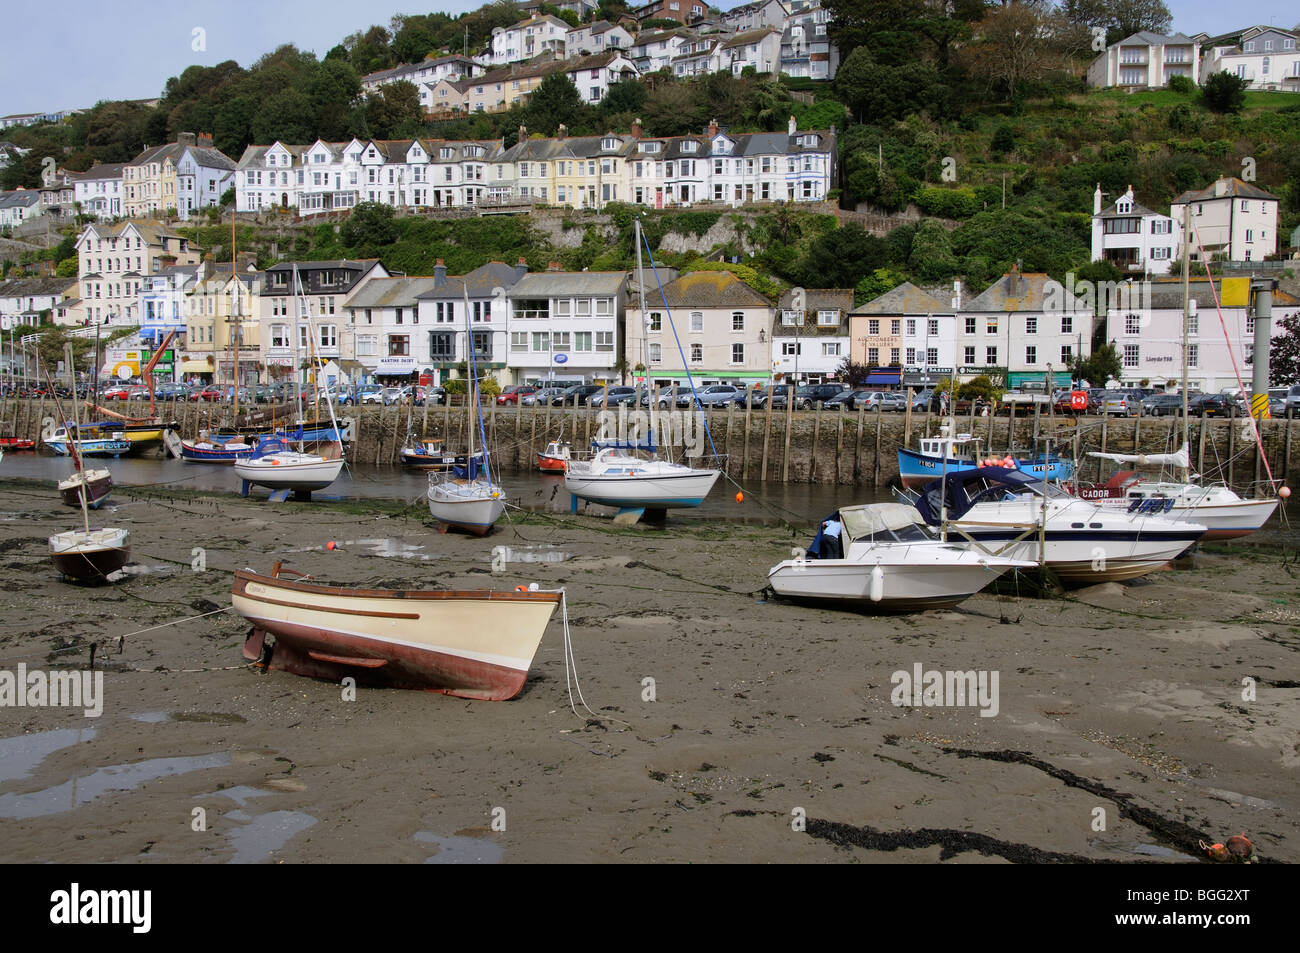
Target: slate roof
pixel 711 289
pixel 1236 189
pixel 550 284
pixel 390 292
pixel 907 298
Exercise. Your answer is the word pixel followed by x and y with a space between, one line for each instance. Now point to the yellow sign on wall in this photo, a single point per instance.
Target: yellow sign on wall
pixel 124 363
pixel 1234 292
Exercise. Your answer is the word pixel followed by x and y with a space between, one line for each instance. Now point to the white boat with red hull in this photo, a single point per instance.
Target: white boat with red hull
pixel 468 643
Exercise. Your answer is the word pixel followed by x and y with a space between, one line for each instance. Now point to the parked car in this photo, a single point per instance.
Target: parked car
pixel 354 396
pixel 1162 405
pixel 541 396
pixel 515 392
pixel 1124 403
pixel 116 392
pixel 435 395
pixel 576 396
pixel 715 395
pixel 207 392
pixel 849 399
pixel 922 401
pixel 1212 405
pixel 1293 399
pixel 617 397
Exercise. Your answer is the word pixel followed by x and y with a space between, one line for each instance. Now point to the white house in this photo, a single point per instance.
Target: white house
pixel 594 75
pixel 162 301
pixel 18 206
pixel 1150 343
pixel 759 50
pixel 653 51
pixel 528 38
pixel 98 190
pixel 698 56
pixel 812 335
pixel 806 47
pixel 1265 56
pixel 451 66
pixel 1230 217
pixel 598 36
pixel 324 288
pixel 905 327
pixel 759 15
pixel 442 311
pixel 1145 60
pixel 24 300
pixel 114 261
pixel 383 316
pixel 566 325
pixel 769 166
pixel 1133 238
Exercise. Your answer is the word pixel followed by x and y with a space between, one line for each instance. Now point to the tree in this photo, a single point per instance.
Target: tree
pixel 879 282
pixel 875 91
pixel 841 257
pixel 1224 92
pixel 1020 42
pixel 1284 352
pixel 854 374
pixel 1098 368
pixel 1119 18
pixel 67 268
pixel 395 111
pixel 370 226
pixel 932 256
pixel 556 100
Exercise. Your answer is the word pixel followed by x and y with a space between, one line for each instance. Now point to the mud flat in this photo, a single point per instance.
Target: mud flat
pixel 1123 704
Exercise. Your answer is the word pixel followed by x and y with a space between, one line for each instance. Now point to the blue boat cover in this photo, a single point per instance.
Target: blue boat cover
pixel 965 488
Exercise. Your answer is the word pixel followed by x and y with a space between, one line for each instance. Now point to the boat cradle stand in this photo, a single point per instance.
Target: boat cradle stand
pixel 277 496
pixel 630 515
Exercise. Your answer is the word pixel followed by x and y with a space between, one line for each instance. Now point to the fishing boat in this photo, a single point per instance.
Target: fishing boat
pixel 614 477
pixel 213 451
pixel 1224 512
pixel 1005 512
pixel 891 562
pixel 954 453
pixel 140 436
pixel 428 453
pixel 472 644
pixel 114 446
pixel 555 458
pixel 93 485
pixel 85 554
pixel 14 444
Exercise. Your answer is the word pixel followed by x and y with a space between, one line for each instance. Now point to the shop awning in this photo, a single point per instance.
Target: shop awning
pixel 882 379
pixel 196 367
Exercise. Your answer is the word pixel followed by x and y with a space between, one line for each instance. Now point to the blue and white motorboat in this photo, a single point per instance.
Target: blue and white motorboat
pixel 954 454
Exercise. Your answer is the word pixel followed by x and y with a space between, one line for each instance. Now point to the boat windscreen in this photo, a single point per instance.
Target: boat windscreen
pixel 877 519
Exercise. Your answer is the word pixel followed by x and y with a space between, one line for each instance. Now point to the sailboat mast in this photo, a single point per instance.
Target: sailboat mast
pixel 76 420
pixel 645 332
pixel 471 393
pixel 1187 256
pixel 233 326
pixel 297 387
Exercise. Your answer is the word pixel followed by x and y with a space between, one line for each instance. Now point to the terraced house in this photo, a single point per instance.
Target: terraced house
pixel 115 260
pixel 184 176
pixel 571 171
pixel 323 289
pixel 566 325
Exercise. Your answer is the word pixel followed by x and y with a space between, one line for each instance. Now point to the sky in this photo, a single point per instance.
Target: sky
pixel 118 49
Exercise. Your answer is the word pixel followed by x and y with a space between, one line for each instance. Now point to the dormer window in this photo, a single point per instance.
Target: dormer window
pixel 445 152
pixel 688 146
pixel 609 143
pixel 648 147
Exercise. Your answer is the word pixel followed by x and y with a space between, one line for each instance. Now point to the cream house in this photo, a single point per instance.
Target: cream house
pixel 722 329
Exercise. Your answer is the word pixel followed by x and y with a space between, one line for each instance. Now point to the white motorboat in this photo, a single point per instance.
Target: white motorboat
pixel 471 505
pixel 1224 513
pixel 615 477
pixel 290 470
pixel 1008 513
pixel 892 562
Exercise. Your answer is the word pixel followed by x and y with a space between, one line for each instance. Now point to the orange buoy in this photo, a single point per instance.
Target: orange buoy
pixel 1284 492
pixel 740 497
pixel 331 545
pixel 521 588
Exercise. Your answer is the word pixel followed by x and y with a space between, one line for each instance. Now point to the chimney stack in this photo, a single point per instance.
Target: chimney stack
pixel 713 128
pixel 793 126
pixel 439 273
pixel 205 140
pixel 1096 200
pixel 523 132
pixel 636 128
pixel 185 138
pixel 554 266
pixel 562 131
pixel 521 269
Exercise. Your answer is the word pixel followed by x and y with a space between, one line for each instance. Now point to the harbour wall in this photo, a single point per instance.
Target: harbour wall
pixel 760 445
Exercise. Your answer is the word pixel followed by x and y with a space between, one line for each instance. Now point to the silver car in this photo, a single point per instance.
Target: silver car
pixel 1124 403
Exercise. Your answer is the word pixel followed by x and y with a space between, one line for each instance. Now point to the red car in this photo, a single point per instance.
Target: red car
pixel 512 393
pixel 116 393
pixel 208 393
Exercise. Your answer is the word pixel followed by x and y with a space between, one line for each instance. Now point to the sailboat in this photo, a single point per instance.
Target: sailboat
pixel 616 477
pixel 294 469
pixel 467 498
pixel 86 554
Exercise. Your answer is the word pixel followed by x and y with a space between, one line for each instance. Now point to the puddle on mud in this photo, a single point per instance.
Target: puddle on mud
pixel 388 548
pixel 21 753
pixel 240 794
pixel 116 777
pixel 461 850
pixel 139 569
pixel 536 553
pixel 152 717
pixel 256 840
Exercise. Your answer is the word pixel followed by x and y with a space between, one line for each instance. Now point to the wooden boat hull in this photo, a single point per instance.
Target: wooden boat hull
pixel 475 644
pixel 98 484
pixel 422 460
pixel 92 447
pixel 87 559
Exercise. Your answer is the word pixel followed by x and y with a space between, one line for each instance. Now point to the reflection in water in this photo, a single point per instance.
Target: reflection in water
pixel 20 754
pixel 461 850
pixel 266 833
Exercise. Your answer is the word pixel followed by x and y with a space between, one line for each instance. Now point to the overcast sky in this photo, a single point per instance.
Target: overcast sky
pixel 118 49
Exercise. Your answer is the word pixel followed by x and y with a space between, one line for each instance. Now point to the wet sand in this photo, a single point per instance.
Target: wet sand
pixel 1124 697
